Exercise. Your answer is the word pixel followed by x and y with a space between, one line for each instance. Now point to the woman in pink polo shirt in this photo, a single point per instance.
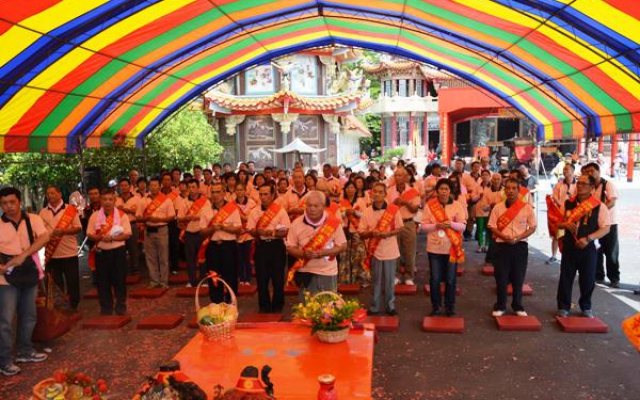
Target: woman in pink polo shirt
pixel 439 245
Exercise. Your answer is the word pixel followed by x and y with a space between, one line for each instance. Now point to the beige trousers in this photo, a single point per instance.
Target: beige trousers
pixel 407 245
pixel 156 250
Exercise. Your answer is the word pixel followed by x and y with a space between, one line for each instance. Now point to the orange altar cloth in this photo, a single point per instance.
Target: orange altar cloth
pixel 297 359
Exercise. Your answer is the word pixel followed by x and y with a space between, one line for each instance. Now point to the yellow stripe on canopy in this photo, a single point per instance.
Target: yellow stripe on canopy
pixel 606 14
pixel 16 39
pixel 19 104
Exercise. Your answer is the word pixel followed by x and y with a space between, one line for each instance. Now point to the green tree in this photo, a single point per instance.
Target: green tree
pixel 184 140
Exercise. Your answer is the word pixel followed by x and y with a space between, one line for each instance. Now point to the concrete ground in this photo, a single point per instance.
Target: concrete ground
pixel 482 363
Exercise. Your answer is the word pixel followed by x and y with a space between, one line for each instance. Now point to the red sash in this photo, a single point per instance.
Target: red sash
pixel 219 218
pixel 410 194
pixel 383 225
pixel 456 253
pixel 508 216
pixel 345 205
pixel 554 217
pixel 317 243
pixel 333 208
pixel 69 214
pixel 195 208
pixel 106 228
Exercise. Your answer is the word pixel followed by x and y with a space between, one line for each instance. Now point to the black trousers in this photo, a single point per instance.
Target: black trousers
pixel 174 245
pixel 577 261
pixel 111 272
pixel 490 256
pixel 133 250
pixel 510 266
pixel 270 260
pixel 222 257
pixel 610 249
pixel 66 274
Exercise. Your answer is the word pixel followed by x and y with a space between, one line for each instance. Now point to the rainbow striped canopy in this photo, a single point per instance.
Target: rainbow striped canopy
pixel 96 72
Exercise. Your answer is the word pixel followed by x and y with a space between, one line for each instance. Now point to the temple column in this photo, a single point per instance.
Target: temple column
pixel 394 131
pixel 411 135
pixel 600 144
pixel 382 134
pixel 446 138
pixel 231 122
pixel 581 147
pixel 630 156
pixel 285 121
pixel 425 133
pixel 614 151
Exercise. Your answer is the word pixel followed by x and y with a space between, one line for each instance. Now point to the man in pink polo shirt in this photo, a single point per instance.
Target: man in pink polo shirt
pixel 320 270
pixel 385 253
pixel 511 223
pixel 269 224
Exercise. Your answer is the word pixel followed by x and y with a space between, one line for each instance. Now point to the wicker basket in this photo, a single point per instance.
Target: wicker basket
pixel 40 387
pixel 332 336
pixel 225 329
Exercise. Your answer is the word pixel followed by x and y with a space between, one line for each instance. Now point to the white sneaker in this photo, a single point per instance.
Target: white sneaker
pixel 409 282
pixel 188 285
pixel 521 313
pixel 396 281
pixel 498 313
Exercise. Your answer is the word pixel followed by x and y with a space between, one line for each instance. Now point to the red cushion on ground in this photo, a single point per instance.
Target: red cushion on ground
pixel 107 322
pixel 384 323
pixel 193 324
pixel 166 321
pixel 527 290
pixel 75 317
pixel 349 289
pixel 147 293
pixel 515 323
pixel 182 265
pixel 179 279
pixel 260 317
pixel 133 279
pixel 406 290
pixel 91 294
pixel 461 271
pixel 443 324
pixel 191 292
pixel 291 290
pixel 244 290
pixel 487 271
pixel 427 289
pixel 582 325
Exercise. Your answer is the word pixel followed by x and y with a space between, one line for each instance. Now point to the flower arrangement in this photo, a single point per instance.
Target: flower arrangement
pixel 328 311
pixel 70 385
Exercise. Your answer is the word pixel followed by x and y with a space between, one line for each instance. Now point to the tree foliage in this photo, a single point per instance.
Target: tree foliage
pixel 184 140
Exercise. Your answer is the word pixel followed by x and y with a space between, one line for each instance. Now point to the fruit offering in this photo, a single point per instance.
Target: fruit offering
pixel 215 314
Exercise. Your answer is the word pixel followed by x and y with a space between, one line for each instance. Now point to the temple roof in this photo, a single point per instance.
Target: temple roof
pixel 406 66
pixel 289 100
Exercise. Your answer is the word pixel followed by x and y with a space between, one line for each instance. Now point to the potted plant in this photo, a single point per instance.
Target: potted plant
pixel 329 315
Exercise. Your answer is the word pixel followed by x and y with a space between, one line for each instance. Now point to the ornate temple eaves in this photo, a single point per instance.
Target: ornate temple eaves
pixel 286 100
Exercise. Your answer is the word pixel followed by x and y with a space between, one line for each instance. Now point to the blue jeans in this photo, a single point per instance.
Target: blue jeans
pixel 441 270
pixel 22 302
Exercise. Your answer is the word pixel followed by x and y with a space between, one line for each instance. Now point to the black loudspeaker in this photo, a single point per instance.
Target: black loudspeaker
pixel 92 178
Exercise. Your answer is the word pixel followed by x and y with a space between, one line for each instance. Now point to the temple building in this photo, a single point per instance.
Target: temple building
pixel 314 95
pixel 423 108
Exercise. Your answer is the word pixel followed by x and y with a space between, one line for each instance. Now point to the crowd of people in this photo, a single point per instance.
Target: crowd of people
pixel 311 229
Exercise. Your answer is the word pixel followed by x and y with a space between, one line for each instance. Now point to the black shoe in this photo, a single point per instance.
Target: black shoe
pixel 450 312
pixel 600 281
pixel 392 313
pixel 436 312
pixel 615 284
pixel 374 313
pixel 637 291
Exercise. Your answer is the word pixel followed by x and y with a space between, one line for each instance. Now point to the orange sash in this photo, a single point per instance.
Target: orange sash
pixel 456 253
pixel 317 243
pixel 106 228
pixel 152 207
pixel 383 225
pixel 508 216
pixel 69 214
pixel 574 216
pixel 345 205
pixel 219 218
pixel 333 208
pixel 410 194
pixel 268 216
pixel 195 208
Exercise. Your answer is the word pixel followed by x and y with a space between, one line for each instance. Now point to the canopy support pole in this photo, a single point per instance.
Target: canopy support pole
pixel 630 157
pixel 83 189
